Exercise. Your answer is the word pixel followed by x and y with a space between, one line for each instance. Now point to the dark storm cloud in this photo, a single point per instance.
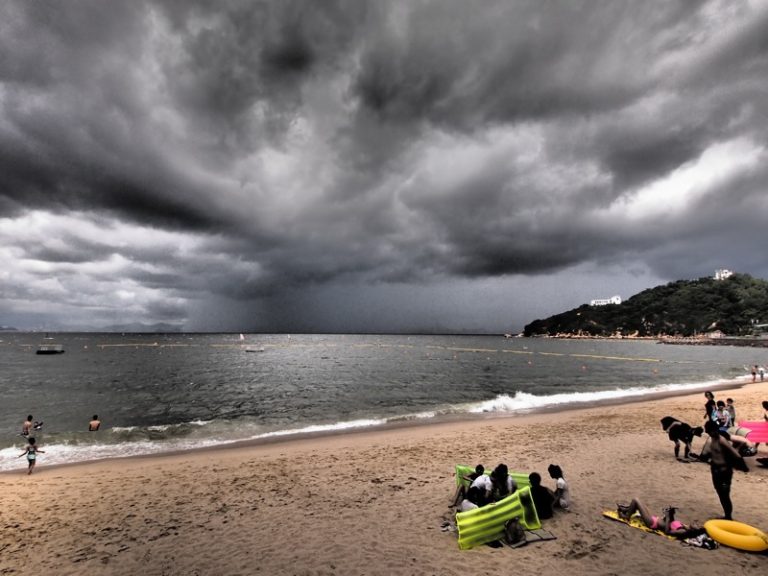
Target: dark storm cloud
pixel 250 150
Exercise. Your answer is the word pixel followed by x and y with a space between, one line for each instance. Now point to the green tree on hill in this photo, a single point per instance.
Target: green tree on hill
pixel 682 307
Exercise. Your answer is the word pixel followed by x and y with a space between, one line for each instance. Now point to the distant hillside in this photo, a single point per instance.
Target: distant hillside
pixel 138 328
pixel 684 307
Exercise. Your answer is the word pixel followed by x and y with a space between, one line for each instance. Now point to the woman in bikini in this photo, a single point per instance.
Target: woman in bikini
pixel 666 523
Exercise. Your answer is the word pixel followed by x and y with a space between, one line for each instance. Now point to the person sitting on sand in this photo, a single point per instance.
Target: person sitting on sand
pixel 485 485
pixel 543 497
pixel 503 483
pixel 722 416
pixel 461 489
pixel 562 492
pixel 94 424
pixel 31 452
pixel 472 499
pixel 679 431
pixel 666 523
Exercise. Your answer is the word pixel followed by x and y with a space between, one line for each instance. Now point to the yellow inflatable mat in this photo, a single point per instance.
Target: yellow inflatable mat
pixel 486 524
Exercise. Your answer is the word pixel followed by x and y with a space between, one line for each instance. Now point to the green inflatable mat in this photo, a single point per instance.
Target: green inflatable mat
pixel 486 524
pixel 463 470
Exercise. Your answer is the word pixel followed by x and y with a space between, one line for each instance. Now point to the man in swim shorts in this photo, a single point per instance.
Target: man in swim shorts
pixel 722 460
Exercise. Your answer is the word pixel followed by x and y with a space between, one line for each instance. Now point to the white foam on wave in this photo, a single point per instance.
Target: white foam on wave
pixel 525 402
pixel 315 428
pixel 519 402
pixel 70 454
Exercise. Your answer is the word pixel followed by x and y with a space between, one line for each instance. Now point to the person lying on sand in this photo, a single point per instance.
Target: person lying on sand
pixel 665 523
pixel 679 431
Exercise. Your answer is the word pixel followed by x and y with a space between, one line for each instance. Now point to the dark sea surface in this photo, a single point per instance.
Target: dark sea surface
pixel 157 393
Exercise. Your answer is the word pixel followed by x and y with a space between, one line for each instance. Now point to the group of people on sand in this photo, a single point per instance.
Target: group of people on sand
pixel 486 489
pixel 31 450
pixel 725 447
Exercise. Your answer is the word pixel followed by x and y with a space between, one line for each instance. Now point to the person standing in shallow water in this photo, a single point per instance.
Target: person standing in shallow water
pixel 31 452
pixel 94 424
pixel 26 428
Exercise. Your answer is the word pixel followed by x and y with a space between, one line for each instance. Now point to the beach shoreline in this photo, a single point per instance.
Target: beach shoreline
pixel 444 419
pixel 374 501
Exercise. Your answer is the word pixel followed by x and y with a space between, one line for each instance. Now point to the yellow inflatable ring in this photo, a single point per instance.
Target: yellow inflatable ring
pixel 737 535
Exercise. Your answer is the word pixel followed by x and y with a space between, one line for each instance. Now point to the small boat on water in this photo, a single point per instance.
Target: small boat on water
pixel 50 349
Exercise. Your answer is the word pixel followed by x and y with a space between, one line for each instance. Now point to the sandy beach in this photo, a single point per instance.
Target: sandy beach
pixel 374 502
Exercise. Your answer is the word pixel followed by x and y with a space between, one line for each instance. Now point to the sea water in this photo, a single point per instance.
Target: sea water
pixel 159 393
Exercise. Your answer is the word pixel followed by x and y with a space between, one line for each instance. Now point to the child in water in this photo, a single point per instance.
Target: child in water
pixel 31 452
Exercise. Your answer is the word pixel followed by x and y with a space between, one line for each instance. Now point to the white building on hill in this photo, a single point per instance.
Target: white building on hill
pixel 722 274
pixel 605 301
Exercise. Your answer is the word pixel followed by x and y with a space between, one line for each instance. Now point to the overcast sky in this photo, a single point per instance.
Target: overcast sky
pixel 410 165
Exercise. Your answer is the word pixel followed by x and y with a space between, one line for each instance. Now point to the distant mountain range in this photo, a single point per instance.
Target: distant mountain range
pixel 735 306
pixel 137 327
pixel 8 329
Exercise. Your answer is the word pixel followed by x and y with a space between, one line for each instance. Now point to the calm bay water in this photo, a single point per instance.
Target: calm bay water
pixel 157 393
